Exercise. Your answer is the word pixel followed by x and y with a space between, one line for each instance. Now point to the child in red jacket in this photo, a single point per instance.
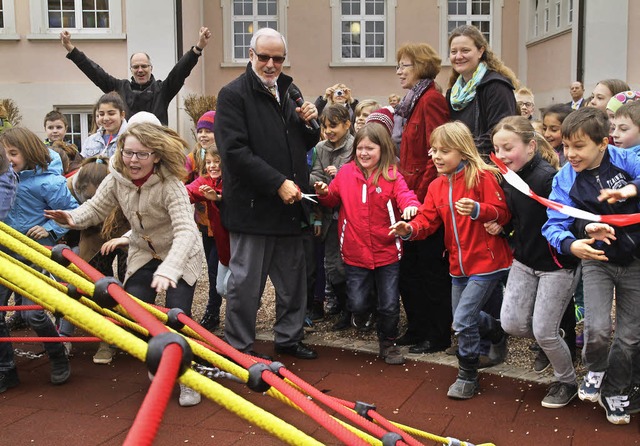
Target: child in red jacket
pixel 208 188
pixel 370 191
pixel 464 197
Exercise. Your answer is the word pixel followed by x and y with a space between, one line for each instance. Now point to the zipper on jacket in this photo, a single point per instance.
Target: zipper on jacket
pixel 455 226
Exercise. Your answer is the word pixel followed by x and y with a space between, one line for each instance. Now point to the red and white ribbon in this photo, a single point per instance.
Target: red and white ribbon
pixel 513 179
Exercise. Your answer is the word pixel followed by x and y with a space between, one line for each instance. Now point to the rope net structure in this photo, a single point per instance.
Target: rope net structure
pixel 173 347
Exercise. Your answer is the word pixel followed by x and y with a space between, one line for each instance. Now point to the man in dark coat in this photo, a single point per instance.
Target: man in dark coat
pixel 143 92
pixel 263 138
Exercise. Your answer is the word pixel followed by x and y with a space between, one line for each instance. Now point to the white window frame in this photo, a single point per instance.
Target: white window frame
pixel 545 23
pixel 227 31
pixel 389 58
pixel 85 112
pixel 8 31
pixel 38 11
pixel 495 28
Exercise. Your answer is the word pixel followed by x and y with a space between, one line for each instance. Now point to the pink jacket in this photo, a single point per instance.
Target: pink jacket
pixel 364 218
pixel 472 250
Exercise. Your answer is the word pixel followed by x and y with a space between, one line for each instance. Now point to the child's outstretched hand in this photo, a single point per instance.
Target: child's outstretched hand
pixel 60 217
pixel 615 195
pixel 161 283
pixel 409 212
pixel 400 228
pixel 601 231
pixel 321 188
pixel 583 250
pixel 493 228
pixel 464 206
pixel 37 233
pixel 111 245
pixel 209 192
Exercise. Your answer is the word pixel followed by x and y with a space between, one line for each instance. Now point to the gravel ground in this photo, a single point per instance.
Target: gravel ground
pixel 519 354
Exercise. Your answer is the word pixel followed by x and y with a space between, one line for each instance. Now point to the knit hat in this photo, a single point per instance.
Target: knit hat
pixel 383 116
pixel 144 117
pixel 206 121
pixel 620 99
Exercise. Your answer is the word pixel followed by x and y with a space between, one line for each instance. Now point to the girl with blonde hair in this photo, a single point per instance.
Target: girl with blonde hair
pixel 165 253
pixel 464 198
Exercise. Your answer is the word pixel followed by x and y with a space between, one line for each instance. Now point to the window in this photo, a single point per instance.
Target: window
pixel 78 14
pixel 80 123
pixel 570 12
pixel 241 18
pixel 363 32
pixel 546 20
pixel 85 18
pixel 486 15
pixel 7 20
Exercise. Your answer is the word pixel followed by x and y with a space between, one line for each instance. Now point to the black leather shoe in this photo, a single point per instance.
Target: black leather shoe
pixel 298 350
pixel 258 355
pixel 407 339
pixel 427 347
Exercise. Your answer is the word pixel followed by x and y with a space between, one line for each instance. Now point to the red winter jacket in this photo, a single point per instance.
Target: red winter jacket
pixel 472 250
pixel 364 220
pixel 416 165
pixel 220 234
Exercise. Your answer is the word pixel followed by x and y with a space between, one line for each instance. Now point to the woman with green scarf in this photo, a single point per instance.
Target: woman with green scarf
pixel 481 87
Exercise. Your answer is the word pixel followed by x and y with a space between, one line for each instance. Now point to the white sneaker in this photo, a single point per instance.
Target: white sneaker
pixel 590 388
pixel 188 396
pixel 104 355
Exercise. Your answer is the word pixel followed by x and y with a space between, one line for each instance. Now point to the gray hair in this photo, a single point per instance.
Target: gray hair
pixel 270 32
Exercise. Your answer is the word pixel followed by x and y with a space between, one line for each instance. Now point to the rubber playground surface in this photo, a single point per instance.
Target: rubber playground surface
pixel 98 404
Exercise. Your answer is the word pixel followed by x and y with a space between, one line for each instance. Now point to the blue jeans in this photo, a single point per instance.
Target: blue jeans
pixel 468 297
pixel 360 283
pixel 600 279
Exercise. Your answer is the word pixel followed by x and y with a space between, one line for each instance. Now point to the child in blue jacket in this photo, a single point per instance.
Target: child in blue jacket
pixel 601 179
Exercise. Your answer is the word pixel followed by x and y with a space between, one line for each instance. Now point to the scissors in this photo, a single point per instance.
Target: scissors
pixel 310 197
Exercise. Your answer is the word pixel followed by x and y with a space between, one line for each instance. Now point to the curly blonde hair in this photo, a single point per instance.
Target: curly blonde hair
pixel 489 57
pixel 166 144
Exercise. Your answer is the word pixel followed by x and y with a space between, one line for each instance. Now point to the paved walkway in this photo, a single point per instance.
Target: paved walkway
pixel 99 403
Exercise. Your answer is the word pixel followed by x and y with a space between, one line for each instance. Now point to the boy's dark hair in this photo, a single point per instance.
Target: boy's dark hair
pixel 55 115
pixel 591 121
pixel 630 110
pixel 560 110
pixel 335 114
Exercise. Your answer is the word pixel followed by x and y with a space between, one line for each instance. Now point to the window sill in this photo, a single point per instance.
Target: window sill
pixel 361 63
pixel 548 36
pixel 9 36
pixel 55 35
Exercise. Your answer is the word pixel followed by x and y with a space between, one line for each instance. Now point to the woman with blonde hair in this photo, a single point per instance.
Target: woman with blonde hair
pixel 481 87
pixel 165 253
pixel 338 94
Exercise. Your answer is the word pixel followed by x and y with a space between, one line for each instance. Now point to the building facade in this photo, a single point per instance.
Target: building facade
pixel 548 44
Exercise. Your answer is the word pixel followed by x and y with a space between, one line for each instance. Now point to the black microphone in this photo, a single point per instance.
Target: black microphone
pixel 295 94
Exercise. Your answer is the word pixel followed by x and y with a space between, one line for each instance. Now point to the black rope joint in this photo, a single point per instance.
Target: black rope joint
pixel 255 382
pixel 363 409
pixel 101 294
pixel 56 254
pixel 158 343
pixel 391 439
pixel 172 319
pixel 73 292
pixel 275 367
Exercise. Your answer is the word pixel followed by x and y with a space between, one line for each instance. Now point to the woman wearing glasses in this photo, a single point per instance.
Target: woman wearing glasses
pixel 425 285
pixel 165 253
pixel 481 87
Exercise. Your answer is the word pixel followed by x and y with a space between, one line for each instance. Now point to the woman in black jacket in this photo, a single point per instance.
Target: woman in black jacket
pixel 481 87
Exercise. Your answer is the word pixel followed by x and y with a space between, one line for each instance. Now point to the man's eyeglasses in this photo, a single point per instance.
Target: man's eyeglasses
pixel 266 57
pixel 139 155
pixel 143 66
pixel 402 66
